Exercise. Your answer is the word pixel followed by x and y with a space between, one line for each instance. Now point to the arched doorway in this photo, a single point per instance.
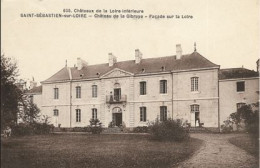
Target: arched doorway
pixel 117 116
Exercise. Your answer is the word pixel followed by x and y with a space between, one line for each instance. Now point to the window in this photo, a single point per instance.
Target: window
pixel 241 86
pixel 78 92
pixel 195 108
pixel 163 113
pixel 94 113
pixel 142 88
pixel 194 84
pixel 163 86
pixel 56 112
pixel 239 105
pixel 143 114
pixel 94 90
pixel 56 93
pixel 78 115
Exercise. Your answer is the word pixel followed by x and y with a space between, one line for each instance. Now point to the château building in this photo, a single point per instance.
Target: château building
pixel 136 92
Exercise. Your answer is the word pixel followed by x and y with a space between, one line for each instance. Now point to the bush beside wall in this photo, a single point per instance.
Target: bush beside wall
pixel 169 130
pixel 31 129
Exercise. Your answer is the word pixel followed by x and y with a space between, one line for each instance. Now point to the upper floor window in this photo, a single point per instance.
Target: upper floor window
pixel 142 88
pixel 163 113
pixel 94 113
pixel 239 105
pixel 78 92
pixel 194 84
pixel 241 86
pixel 56 112
pixel 143 114
pixel 78 115
pixel 56 93
pixel 163 86
pixel 94 90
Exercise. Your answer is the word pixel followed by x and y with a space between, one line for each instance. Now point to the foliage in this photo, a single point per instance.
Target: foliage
pixel 11 95
pixel 248 115
pixel 95 126
pixel 30 112
pixel 139 129
pixel 81 129
pixel 45 119
pixel 169 130
pixel 227 127
pixel 31 129
pixel 112 124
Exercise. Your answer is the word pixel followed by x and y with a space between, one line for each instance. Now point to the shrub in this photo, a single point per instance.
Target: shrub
pixel 22 129
pixel 31 128
pixel 95 126
pixel 227 127
pixel 112 124
pixel 42 128
pixel 247 115
pixel 78 129
pixel 139 129
pixel 169 130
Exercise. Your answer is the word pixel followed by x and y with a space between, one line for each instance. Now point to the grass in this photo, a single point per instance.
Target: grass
pixel 247 143
pixel 82 150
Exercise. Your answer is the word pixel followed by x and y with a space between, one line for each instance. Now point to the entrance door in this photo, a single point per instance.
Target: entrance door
pixel 117 119
pixel 197 119
pixel 117 94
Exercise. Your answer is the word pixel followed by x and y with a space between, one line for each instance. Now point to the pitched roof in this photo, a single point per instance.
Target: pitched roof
pixel 150 65
pixel 232 73
pixel 35 90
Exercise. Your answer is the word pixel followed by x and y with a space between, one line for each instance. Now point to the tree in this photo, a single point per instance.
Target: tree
pixel 11 95
pixel 249 115
pixel 30 112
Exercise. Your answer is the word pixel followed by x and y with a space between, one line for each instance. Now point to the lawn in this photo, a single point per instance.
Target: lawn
pixel 86 150
pixel 247 143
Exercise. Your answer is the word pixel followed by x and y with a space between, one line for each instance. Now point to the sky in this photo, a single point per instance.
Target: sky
pixel 226 32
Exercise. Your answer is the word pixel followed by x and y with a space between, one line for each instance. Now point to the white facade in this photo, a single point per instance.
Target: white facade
pixel 230 97
pixel 184 87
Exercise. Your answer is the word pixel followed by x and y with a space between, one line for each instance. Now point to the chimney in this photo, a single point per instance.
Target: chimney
pixel 81 63
pixel 138 56
pixel 178 51
pixel 111 59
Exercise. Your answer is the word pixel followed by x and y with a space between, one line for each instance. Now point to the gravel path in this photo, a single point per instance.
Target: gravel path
pixel 218 152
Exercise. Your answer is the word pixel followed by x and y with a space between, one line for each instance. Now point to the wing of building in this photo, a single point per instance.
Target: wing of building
pixel 138 91
pixel 237 86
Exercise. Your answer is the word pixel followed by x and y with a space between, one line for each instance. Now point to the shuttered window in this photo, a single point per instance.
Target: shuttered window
pixel 163 86
pixel 142 88
pixel 142 113
pixel 163 113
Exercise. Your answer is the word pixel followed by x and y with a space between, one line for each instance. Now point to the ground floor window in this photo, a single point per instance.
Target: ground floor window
pixel 56 112
pixel 163 113
pixel 142 113
pixel 78 115
pixel 94 113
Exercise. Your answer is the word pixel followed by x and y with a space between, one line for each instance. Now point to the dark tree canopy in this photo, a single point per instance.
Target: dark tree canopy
pixel 30 112
pixel 10 94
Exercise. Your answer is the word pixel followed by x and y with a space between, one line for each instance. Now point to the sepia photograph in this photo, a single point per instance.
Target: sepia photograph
pixel 105 84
